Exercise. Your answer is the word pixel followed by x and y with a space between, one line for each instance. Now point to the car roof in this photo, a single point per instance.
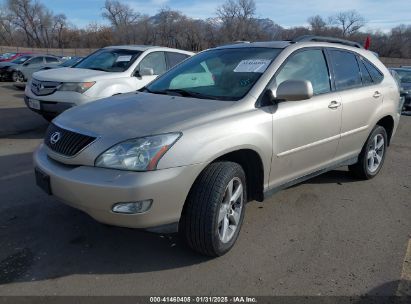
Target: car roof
pixel 262 44
pixel 141 48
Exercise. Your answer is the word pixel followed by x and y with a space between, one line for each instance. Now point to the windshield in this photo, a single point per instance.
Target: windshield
pixel 225 74
pixel 70 62
pixel 21 59
pixel 109 60
pixel 405 76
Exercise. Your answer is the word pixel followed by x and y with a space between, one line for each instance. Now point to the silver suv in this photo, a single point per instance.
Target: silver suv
pixel 230 125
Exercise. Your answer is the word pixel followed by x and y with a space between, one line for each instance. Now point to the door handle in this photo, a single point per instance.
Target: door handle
pixel 376 94
pixel 334 105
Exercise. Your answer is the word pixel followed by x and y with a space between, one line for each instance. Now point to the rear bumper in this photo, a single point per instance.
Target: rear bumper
pixel 95 190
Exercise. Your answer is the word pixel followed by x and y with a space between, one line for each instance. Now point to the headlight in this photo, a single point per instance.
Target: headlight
pixel 79 87
pixel 140 154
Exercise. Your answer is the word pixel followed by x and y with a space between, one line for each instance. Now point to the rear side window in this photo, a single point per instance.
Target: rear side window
pixel 346 71
pixel 51 60
pixel 155 61
pixel 376 75
pixel 307 65
pixel 175 58
pixel 365 75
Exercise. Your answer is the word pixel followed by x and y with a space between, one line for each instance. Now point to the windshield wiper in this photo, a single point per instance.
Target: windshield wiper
pixel 97 69
pixel 185 93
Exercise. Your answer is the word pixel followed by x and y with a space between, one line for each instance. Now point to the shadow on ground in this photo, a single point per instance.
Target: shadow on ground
pixel 41 238
pixel 16 121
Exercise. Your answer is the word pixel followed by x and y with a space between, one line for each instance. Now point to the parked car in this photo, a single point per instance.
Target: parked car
pixel 11 56
pixel 405 78
pixel 191 154
pixel 5 71
pixel 67 63
pixel 22 72
pixel 109 71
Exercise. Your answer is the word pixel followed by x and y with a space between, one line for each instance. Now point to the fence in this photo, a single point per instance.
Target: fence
pixel 390 62
pixel 57 52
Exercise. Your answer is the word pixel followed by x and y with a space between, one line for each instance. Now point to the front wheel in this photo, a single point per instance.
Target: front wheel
pixel 17 76
pixel 372 155
pixel 214 210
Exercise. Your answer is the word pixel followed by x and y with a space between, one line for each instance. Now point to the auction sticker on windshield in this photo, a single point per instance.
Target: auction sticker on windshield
pixel 123 58
pixel 252 66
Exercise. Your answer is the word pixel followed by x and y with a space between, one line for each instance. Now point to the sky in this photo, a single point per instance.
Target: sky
pixel 379 14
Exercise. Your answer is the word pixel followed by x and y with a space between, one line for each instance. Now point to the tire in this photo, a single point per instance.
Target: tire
pixel 210 223
pixel 371 160
pixel 17 76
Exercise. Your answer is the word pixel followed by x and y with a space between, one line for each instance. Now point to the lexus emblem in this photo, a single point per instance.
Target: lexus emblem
pixel 55 137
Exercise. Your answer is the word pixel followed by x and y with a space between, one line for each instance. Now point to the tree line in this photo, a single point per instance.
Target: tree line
pixel 29 23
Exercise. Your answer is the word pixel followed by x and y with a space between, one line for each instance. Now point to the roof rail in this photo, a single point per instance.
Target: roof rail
pixel 306 38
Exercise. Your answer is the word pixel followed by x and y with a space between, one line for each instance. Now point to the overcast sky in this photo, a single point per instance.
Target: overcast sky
pixel 380 14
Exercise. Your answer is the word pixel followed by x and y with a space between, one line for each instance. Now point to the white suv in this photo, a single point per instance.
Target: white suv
pixel 109 71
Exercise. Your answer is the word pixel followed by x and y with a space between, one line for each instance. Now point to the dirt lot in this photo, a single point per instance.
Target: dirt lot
pixel 330 236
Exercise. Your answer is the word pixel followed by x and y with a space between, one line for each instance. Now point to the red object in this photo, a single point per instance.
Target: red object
pixel 14 56
pixel 367 43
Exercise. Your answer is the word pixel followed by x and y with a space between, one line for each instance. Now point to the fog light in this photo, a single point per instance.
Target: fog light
pixel 132 207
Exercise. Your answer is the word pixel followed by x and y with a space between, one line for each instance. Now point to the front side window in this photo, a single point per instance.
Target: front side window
pixel 224 74
pixel 21 59
pixel 109 60
pixel 306 65
pixel 155 61
pixel 346 71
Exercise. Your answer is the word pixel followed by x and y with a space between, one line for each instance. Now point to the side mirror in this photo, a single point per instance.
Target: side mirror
pixel 146 72
pixel 294 90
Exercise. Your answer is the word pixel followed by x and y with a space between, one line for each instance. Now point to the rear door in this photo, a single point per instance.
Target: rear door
pixel 356 80
pixel 306 132
pixel 173 59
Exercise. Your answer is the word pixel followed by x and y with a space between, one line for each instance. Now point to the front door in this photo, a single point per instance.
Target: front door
pixel 155 61
pixel 306 132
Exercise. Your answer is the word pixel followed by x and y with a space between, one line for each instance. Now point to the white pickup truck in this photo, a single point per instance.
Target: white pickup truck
pixel 108 71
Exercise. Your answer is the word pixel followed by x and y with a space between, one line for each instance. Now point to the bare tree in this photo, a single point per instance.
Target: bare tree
pixel 317 24
pixel 237 17
pixel 6 26
pixel 350 22
pixel 123 18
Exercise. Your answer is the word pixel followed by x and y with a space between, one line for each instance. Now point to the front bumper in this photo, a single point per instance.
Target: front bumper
pixel 95 190
pixel 49 107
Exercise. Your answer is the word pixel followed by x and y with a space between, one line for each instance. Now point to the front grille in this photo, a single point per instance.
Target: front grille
pixel 66 142
pixel 42 88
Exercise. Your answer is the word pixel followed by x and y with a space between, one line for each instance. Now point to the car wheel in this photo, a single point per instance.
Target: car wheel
pixel 214 210
pixel 17 76
pixel 372 155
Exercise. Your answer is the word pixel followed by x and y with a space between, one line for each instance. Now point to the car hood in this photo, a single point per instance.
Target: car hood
pixel 137 114
pixel 6 64
pixel 73 75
